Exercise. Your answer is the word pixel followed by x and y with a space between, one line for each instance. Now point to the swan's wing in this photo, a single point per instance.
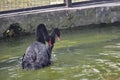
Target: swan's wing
pixel 43 58
pixel 29 57
pixel 37 55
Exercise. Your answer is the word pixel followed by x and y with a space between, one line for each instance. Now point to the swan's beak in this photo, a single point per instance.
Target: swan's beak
pixel 59 38
pixel 50 43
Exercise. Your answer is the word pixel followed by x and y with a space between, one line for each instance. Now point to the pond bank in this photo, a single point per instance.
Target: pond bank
pixel 63 17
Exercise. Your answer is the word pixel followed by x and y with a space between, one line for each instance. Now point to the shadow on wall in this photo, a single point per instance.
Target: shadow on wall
pixel 14 30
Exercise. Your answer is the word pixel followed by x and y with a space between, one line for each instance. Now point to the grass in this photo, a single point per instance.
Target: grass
pixel 16 4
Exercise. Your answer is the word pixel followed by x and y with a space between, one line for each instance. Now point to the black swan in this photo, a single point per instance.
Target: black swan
pixel 38 55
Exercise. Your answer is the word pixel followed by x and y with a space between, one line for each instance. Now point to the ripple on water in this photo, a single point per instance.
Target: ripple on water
pixel 103 54
pixel 9 60
pixel 75 67
pixel 79 75
pixel 89 71
pixel 61 79
pixel 117 46
pixel 102 60
pixel 54 57
pixel 13 59
pixel 6 68
pixel 5 60
pixel 84 79
pixel 113 65
pixel 114 54
pixel 57 68
pixel 15 75
pixel 87 66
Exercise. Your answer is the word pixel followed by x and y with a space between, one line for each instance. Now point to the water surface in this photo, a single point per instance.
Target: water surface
pixel 82 54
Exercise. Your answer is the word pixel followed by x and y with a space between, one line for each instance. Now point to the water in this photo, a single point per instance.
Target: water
pixel 82 54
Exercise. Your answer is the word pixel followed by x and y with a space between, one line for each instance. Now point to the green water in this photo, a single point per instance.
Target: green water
pixel 82 54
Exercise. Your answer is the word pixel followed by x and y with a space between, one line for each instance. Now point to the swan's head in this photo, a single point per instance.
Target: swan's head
pixel 39 33
pixel 55 33
pixel 41 29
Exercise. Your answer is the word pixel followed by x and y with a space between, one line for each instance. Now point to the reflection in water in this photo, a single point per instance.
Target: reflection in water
pixel 90 54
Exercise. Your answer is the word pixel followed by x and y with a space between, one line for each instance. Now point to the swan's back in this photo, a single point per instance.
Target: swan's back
pixel 37 56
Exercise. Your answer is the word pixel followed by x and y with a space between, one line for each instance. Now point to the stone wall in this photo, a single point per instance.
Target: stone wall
pixel 63 18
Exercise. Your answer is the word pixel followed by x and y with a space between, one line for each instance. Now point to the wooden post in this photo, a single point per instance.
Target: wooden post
pixel 68 3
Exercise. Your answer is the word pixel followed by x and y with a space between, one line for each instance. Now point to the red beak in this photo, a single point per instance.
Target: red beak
pixel 58 38
pixel 50 43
